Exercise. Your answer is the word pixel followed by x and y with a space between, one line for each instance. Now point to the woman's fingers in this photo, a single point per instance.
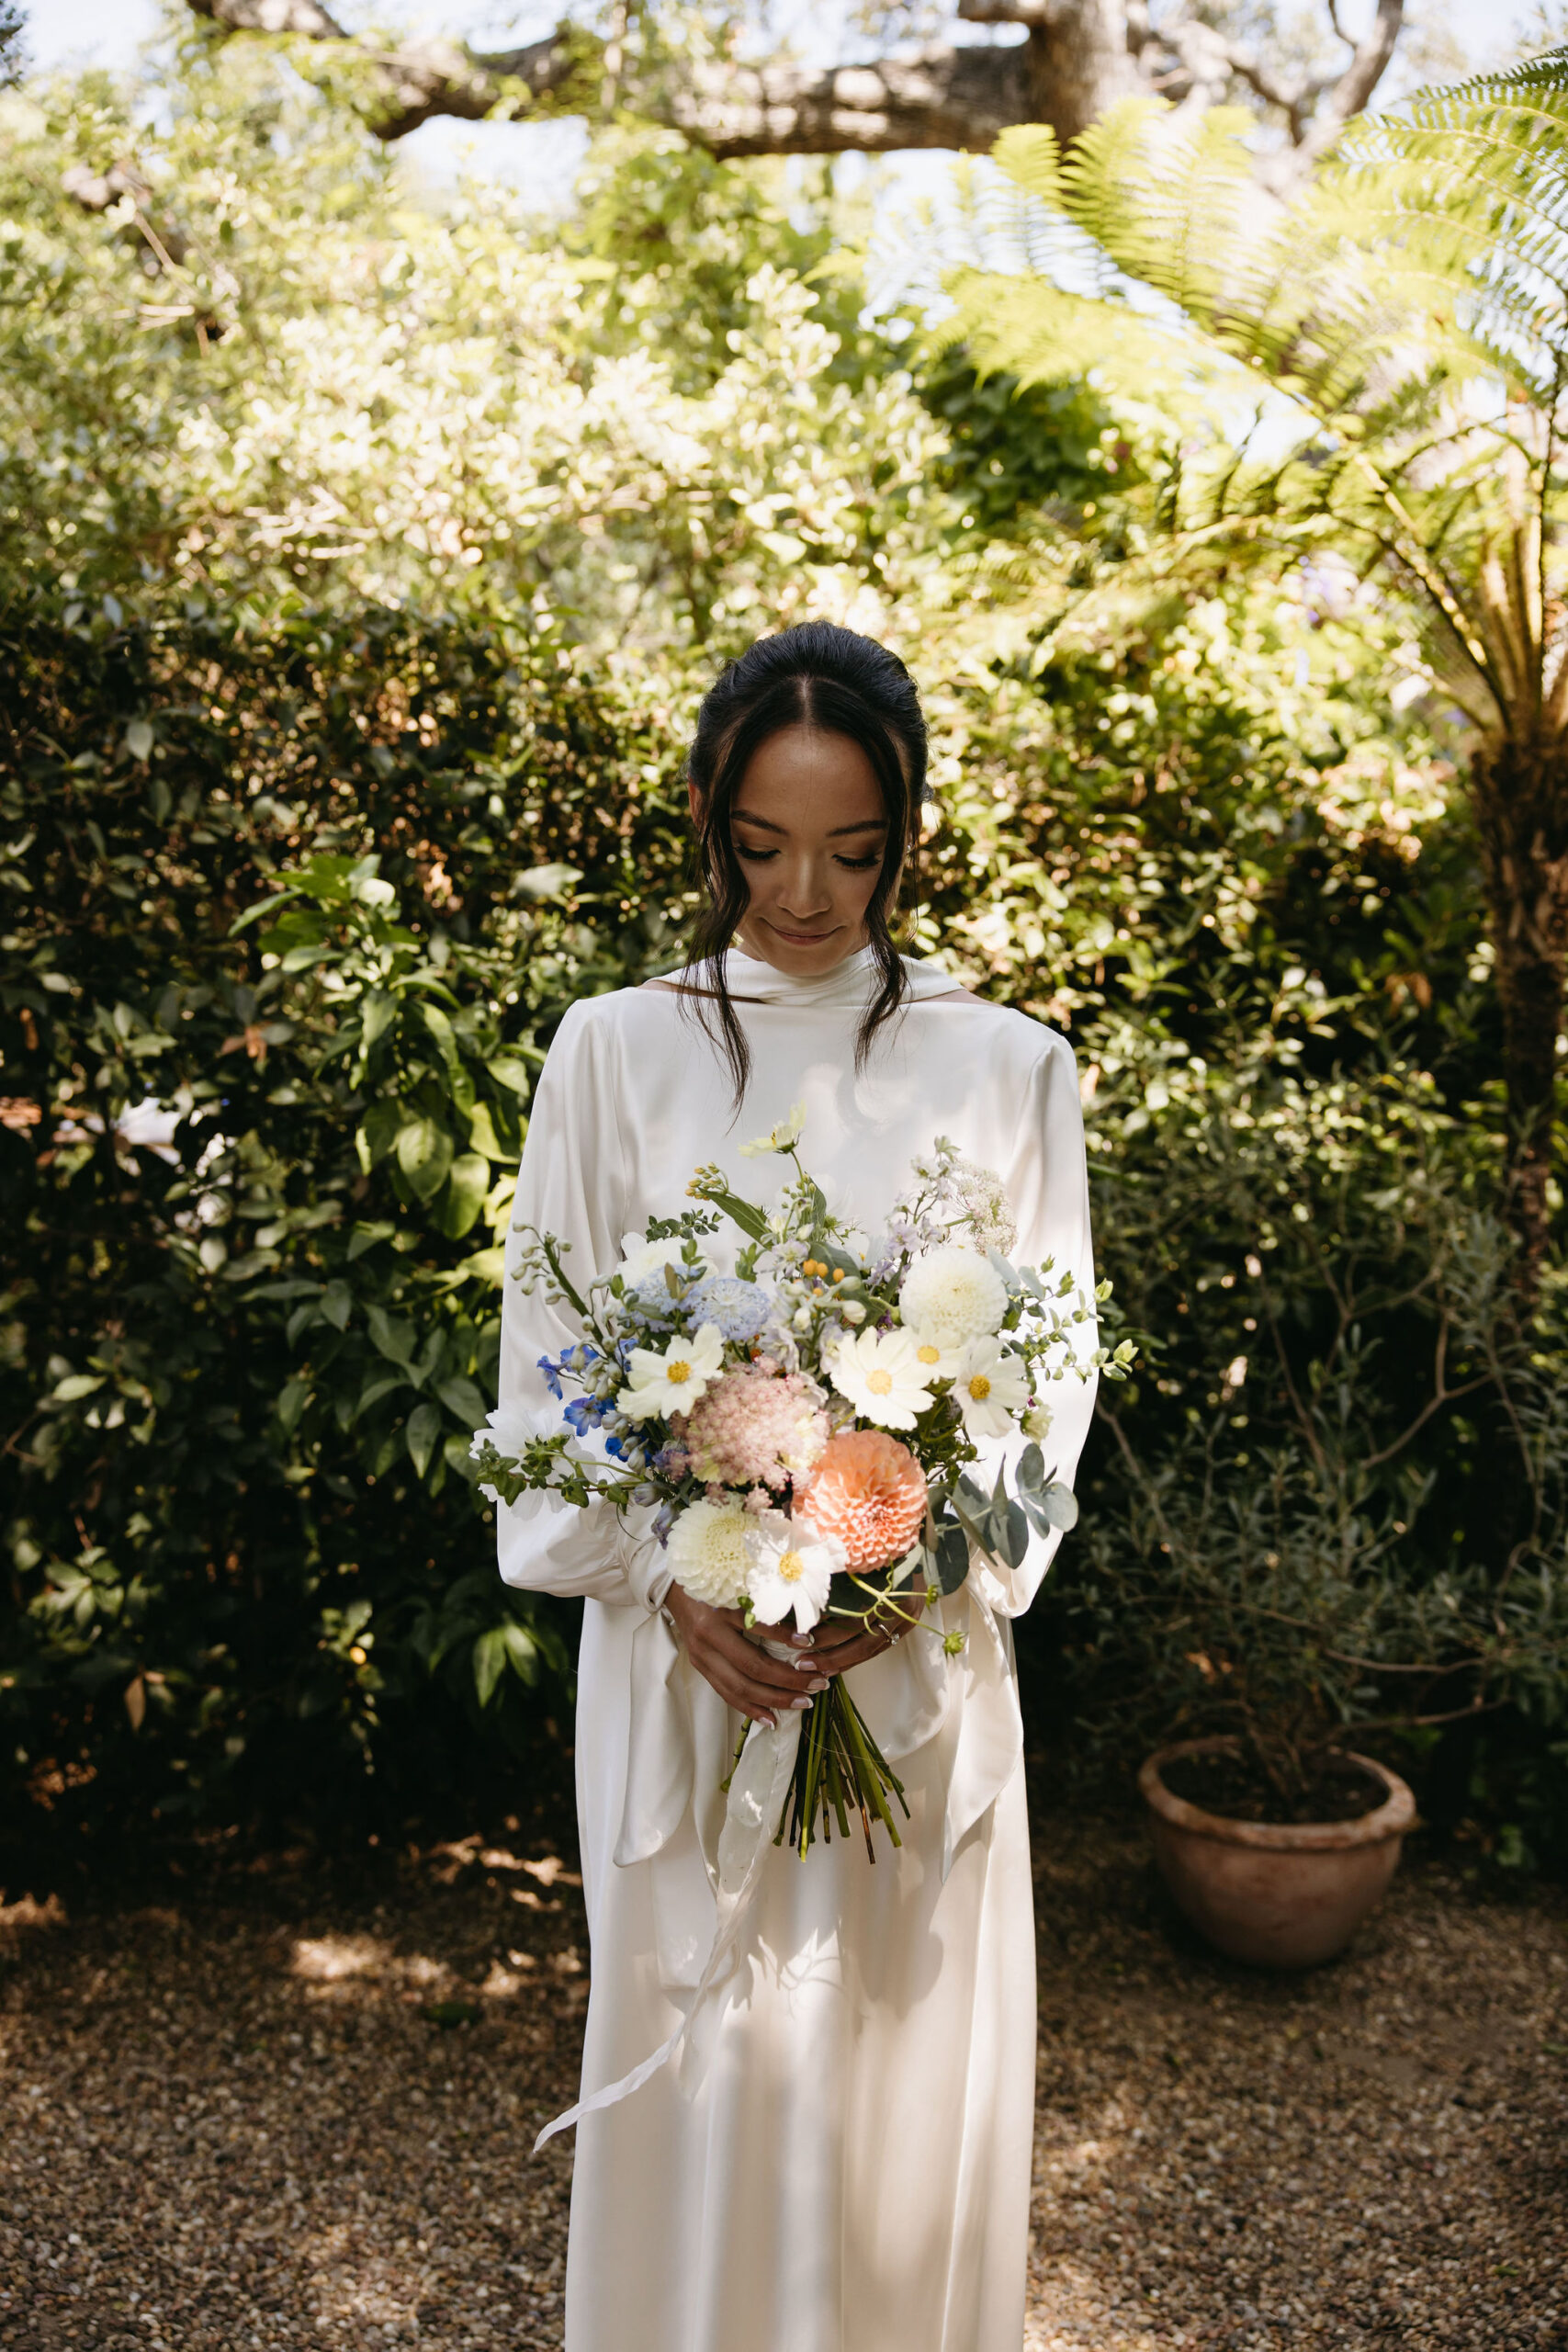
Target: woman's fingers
pixel 745 1677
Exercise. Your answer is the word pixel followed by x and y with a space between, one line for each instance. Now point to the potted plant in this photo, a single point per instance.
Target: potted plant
pixel 1302 1570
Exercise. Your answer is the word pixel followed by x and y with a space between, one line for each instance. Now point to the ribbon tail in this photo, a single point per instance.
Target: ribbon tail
pixel 757 1793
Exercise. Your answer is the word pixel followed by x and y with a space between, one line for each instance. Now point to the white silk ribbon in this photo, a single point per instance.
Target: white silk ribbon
pixel 757 1793
pixel 906 1695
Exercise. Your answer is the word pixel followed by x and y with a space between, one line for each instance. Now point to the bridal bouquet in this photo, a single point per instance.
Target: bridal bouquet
pixel 803 1426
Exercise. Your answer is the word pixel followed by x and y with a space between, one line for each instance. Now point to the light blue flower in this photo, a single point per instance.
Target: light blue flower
pixel 739 1309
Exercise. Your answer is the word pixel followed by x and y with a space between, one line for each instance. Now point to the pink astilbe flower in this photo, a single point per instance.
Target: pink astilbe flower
pixel 753 1429
pixel 870 1492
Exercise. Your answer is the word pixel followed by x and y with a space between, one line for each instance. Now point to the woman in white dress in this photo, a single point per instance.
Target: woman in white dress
pixel 837 2155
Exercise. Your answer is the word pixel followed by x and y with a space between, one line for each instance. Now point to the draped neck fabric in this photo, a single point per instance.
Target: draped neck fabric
pixel 849 986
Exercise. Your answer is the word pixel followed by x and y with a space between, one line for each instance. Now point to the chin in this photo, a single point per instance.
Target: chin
pixel 803 954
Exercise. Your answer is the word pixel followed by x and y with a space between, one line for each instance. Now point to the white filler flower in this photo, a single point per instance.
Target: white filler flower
pixel 670 1380
pixel 706 1551
pixel 1037 1423
pixel 778 1138
pixel 791 1566
pixel 990 1388
pixel 950 1297
pixel 882 1376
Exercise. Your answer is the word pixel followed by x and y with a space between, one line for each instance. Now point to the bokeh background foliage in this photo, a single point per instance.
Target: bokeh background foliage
pixel 361 562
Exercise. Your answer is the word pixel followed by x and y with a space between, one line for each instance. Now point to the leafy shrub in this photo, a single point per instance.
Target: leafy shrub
pixel 252 1313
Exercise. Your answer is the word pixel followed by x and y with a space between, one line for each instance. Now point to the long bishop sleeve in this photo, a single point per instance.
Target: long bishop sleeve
pixel 1048 1188
pixel 571 1185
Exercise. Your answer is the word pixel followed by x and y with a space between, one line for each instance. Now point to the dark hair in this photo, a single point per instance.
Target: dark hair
pixel 815 676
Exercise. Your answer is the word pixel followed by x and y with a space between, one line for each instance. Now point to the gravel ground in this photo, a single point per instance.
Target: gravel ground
pixel 291 2109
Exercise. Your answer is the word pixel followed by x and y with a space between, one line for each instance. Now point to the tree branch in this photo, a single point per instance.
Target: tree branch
pixel 1079 58
pixel 957 98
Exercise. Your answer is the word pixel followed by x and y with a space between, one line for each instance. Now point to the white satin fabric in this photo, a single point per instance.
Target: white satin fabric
pixel 838 2155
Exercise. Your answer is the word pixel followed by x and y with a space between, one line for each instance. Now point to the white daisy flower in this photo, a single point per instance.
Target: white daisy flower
pixel 950 1297
pixel 882 1376
pixel 990 1388
pixel 791 1566
pixel 778 1138
pixel 706 1552
pixel 936 1364
pixel 671 1379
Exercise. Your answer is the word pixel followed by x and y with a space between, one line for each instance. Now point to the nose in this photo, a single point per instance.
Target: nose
pixel 803 893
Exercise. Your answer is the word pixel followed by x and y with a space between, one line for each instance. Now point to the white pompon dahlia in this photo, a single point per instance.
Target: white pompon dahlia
pixel 707 1554
pixel 791 1567
pixel 882 1376
pixel 989 1389
pixel 950 1297
pixel 671 1379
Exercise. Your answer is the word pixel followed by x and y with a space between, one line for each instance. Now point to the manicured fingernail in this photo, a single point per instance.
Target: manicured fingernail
pixel 804 1665
pixel 767 1722
pixel 798 1706
pixel 820 1684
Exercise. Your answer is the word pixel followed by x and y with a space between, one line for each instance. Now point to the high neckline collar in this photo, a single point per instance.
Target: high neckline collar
pixel 751 981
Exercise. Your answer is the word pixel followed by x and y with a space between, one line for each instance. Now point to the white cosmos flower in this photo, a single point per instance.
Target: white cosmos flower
pixel 990 1388
pixel 706 1552
pixel 951 1296
pixel 882 1376
pixel 641 1258
pixel 509 1429
pixel 778 1138
pixel 671 1379
pixel 790 1566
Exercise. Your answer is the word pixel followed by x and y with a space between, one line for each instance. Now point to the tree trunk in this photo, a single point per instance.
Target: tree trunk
pixel 1520 795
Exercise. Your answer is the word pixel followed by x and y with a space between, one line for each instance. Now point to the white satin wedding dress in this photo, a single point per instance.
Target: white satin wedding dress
pixel 838 2156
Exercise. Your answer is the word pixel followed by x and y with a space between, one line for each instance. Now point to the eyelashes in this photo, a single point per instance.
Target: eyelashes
pixel 766 857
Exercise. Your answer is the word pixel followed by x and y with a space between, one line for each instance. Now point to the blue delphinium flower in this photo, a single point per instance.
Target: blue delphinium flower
pixel 552 1371
pixel 739 1309
pixel 585 1413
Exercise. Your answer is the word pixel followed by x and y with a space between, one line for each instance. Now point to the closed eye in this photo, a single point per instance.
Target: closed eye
pixel 766 856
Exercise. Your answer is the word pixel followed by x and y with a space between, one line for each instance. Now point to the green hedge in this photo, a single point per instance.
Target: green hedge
pixel 242 1361
pixel 321 890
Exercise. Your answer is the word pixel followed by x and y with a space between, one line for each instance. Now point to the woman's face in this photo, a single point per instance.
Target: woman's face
pixel 809 828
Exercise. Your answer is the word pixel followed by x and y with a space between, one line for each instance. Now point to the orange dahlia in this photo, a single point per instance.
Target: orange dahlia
pixel 870 1492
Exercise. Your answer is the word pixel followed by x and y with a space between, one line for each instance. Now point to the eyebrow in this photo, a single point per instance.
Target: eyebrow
pixel 764 824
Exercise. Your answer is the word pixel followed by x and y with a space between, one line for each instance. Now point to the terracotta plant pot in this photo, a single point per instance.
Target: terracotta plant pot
pixel 1279 1894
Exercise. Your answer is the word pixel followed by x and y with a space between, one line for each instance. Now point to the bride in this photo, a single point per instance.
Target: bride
pixel 837 2155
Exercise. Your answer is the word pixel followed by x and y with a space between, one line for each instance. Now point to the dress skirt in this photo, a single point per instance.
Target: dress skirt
pixel 840 2158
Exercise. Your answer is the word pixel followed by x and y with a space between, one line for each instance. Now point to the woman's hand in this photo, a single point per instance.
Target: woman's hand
pixel 838 1642
pixel 745 1677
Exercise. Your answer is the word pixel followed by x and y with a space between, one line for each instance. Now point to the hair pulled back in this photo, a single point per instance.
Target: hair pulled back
pixel 830 678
